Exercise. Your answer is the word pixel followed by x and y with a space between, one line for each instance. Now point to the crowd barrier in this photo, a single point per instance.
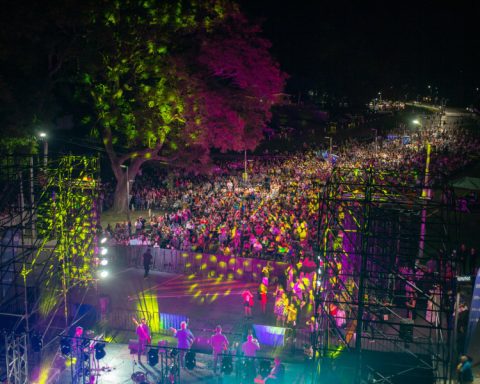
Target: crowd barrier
pixel 202 264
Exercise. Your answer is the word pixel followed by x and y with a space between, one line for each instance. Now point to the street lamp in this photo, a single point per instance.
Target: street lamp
pixel 376 136
pixel 128 190
pixel 43 137
pixel 329 138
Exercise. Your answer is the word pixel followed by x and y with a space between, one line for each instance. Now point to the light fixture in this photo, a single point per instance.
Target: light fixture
pixel 104 273
pixel 103 240
pixel 103 251
pixel 104 262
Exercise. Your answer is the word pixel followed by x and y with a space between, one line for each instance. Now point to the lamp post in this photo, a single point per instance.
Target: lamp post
pixel 128 191
pixel 43 137
pixel 245 176
pixel 419 123
pixel 376 143
pixel 329 138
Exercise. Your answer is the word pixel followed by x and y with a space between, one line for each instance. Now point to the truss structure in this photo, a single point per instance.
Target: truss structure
pixel 48 221
pixel 16 358
pixel 385 274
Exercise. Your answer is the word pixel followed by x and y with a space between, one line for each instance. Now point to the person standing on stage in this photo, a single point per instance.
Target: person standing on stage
pixel 143 334
pixel 219 344
pixel 185 340
pixel 147 261
pixel 247 303
pixel 250 347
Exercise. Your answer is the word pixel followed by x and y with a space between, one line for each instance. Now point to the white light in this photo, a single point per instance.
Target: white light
pixel 103 251
pixel 103 262
pixel 42 134
pixel 103 241
pixel 103 274
pixel 416 122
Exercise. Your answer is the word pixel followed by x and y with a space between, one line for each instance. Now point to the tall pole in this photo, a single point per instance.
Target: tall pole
pixel 245 177
pixel 128 196
pixel 425 198
pixel 45 153
pixel 331 143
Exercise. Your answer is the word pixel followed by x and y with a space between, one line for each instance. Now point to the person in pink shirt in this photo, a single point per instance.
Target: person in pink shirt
pixel 250 347
pixel 219 343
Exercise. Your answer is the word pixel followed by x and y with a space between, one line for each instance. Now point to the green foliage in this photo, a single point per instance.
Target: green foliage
pixel 18 145
pixel 134 86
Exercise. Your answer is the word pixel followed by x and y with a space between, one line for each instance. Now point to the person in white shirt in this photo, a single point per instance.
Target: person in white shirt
pixel 250 347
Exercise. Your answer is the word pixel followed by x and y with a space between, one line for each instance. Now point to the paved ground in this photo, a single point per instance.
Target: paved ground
pixel 205 302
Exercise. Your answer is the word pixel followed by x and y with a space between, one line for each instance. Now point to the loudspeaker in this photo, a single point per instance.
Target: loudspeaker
pixel 406 330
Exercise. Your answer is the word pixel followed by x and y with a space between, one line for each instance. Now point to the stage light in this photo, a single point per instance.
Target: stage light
pixel 100 351
pixel 153 357
pixel 103 241
pixel 190 360
pixel 103 251
pixel 103 273
pixel 66 346
pixel 37 342
pixel 104 262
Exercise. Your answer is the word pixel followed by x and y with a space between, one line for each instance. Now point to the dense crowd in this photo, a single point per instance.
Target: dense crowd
pixel 274 214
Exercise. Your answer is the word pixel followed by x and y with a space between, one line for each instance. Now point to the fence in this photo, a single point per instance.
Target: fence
pixel 183 262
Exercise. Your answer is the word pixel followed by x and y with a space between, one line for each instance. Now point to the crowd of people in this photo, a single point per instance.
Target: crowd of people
pixel 273 215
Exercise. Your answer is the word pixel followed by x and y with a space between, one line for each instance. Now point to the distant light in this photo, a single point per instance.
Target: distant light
pixel 104 262
pixel 103 274
pixel 103 251
pixel 42 134
pixel 416 122
pixel 104 239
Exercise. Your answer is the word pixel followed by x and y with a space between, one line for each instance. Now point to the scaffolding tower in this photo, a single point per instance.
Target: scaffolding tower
pixel 48 245
pixel 385 277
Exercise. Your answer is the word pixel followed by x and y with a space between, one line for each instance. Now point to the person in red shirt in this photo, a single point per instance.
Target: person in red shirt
pixel 247 303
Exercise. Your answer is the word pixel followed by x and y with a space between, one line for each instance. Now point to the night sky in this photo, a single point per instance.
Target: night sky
pixel 356 48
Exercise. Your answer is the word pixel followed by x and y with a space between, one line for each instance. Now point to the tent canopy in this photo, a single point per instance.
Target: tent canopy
pixel 466 182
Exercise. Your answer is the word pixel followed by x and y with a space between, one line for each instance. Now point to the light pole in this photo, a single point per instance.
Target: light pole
pixel 376 143
pixel 329 138
pixel 43 137
pixel 419 123
pixel 245 176
pixel 128 191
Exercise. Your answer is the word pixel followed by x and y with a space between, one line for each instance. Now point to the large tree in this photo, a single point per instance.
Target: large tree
pixel 168 78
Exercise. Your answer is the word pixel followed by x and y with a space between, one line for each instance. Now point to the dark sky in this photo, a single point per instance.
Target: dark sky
pixel 358 48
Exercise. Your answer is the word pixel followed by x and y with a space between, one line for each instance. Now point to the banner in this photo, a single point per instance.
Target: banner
pixel 474 312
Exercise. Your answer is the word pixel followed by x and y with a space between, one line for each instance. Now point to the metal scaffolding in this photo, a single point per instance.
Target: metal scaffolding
pixel 48 223
pixel 385 275
pixel 16 358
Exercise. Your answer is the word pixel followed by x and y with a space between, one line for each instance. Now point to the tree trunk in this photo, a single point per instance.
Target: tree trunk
pixel 120 196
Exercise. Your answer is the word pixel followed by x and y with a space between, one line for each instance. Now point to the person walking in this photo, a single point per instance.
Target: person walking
pixel 147 261
pixel 219 343
pixel 185 340
pixel 247 303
